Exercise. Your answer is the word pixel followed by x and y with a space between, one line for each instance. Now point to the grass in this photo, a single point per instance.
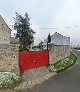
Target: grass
pixel 62 65
pixel 9 81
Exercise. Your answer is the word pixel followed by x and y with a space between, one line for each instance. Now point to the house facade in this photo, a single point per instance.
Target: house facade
pixel 5 32
pixel 59 48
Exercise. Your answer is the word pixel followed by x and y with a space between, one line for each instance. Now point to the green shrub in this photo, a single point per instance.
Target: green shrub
pixel 9 80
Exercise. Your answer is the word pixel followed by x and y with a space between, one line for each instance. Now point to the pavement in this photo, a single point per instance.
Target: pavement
pixel 28 84
pixel 67 81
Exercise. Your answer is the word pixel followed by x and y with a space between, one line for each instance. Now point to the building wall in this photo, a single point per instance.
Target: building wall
pixel 5 32
pixel 15 46
pixel 8 53
pixel 57 53
pixel 9 59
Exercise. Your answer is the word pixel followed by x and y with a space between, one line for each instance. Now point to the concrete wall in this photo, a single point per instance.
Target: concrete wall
pixel 9 59
pixel 5 32
pixel 57 53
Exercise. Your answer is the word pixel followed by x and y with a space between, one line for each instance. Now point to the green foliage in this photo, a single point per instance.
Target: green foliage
pixel 49 38
pixel 10 82
pixel 64 64
pixel 24 31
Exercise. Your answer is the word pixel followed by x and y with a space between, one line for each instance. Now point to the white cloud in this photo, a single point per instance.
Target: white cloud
pixel 46 13
pixel 68 16
pixel 39 35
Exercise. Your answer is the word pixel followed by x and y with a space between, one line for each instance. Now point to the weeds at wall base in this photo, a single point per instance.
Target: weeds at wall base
pixel 11 83
pixel 63 64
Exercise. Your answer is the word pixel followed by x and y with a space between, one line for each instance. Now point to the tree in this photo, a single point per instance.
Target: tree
pixel 24 32
pixel 49 38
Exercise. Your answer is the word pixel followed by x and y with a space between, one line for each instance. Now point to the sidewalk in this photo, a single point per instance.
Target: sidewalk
pixel 31 78
pixel 35 76
pixel 33 82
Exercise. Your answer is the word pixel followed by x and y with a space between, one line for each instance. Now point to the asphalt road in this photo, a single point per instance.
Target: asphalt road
pixel 68 81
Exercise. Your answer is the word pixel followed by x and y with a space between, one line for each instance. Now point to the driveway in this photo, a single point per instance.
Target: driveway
pixel 68 81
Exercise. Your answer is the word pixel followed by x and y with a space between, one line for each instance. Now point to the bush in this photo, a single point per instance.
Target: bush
pixel 9 80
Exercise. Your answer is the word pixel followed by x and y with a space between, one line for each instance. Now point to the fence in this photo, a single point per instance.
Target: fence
pixel 29 60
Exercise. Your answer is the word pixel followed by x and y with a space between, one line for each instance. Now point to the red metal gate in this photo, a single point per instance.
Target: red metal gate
pixel 29 60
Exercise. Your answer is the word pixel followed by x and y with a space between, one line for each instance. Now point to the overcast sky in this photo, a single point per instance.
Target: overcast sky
pixel 64 15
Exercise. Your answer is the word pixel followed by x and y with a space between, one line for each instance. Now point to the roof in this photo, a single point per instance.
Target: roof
pixel 14 40
pixel 58 39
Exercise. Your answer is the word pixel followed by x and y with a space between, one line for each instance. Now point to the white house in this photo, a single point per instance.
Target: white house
pixel 57 39
pixel 59 48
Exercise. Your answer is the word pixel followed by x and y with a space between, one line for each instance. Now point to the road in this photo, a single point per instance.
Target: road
pixel 68 81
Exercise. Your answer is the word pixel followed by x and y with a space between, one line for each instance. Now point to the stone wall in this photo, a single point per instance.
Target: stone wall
pixel 9 59
pixel 15 46
pixel 57 52
pixel 5 32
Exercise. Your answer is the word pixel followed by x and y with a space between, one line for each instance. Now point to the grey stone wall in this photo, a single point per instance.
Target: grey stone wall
pixel 57 52
pixel 9 59
pixel 5 32
pixel 15 46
